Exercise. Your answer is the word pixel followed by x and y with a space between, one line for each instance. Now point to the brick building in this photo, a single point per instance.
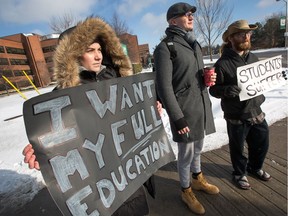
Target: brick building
pixel 144 53
pixel 33 54
pixel 49 43
pixel 131 42
pixel 30 53
pixel 138 54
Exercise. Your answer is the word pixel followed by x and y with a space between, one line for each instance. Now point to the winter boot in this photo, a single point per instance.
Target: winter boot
pixel 200 183
pixel 189 198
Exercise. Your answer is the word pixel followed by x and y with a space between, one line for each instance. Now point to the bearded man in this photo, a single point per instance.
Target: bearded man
pixel 245 119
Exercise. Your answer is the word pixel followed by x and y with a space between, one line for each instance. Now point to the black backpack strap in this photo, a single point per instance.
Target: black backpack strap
pixel 170 44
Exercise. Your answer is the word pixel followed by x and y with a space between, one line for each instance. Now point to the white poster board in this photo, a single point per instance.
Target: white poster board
pixel 260 77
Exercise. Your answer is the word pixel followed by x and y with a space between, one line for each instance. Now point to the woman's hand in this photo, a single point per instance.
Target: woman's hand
pixel 30 157
pixel 159 108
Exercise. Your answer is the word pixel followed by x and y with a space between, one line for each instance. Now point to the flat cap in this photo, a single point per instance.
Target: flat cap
pixel 179 9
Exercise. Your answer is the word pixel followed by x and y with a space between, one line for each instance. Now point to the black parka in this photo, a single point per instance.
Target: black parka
pixel 180 87
pixel 226 68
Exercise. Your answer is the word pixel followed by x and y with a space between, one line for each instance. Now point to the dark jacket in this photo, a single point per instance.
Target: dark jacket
pixel 68 74
pixel 180 87
pixel 226 68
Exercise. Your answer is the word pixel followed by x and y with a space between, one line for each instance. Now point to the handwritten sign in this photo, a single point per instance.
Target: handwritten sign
pixel 97 143
pixel 260 77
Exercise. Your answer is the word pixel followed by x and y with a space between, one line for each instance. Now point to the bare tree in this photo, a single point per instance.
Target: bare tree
pixel 273 32
pixel 60 23
pixel 120 27
pixel 212 17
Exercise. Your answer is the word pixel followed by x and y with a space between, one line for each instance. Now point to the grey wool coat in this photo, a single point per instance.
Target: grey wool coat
pixel 180 87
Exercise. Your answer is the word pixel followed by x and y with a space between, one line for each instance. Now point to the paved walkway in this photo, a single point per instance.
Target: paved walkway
pixel 265 198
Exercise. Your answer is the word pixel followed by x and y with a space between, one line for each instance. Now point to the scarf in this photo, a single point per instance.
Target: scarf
pixel 188 36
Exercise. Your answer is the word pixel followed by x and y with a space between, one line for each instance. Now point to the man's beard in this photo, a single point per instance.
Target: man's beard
pixel 243 46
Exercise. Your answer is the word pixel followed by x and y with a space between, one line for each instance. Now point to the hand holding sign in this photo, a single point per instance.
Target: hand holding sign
pixel 30 157
pixel 284 73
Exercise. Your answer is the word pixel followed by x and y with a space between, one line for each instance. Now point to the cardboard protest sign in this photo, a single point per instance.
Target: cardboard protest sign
pixel 97 143
pixel 260 77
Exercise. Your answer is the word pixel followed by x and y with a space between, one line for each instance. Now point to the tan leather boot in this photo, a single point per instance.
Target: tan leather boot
pixel 189 198
pixel 201 184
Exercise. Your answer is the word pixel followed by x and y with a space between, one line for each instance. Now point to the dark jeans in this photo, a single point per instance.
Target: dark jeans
pixel 257 138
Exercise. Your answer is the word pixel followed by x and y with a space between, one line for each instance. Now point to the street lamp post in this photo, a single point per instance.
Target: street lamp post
pixel 286 24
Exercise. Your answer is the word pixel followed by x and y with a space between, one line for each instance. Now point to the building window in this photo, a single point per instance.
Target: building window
pixel 19 61
pixel 2 49
pixel 23 83
pixel 28 72
pixel 20 72
pixel 12 50
pixel 49 59
pixel 4 61
pixel 48 49
pixel 7 73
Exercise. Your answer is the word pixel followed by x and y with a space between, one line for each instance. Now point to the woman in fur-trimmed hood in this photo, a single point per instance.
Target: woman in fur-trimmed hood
pixel 74 42
pixel 91 52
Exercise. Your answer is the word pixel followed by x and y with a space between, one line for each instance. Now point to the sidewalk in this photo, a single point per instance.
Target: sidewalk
pixel 265 198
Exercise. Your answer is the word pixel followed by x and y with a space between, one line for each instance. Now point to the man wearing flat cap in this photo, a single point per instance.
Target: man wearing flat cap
pixel 245 119
pixel 181 89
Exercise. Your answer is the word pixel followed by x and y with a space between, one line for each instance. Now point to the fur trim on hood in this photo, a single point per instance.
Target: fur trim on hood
pixel 74 44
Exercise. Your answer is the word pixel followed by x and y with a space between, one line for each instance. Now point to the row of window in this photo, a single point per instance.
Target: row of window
pixel 4 61
pixel 49 49
pixel 12 50
pixel 19 62
pixel 10 73
pixel 19 84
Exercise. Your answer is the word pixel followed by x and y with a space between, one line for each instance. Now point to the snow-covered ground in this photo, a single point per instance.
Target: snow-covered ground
pixel 19 184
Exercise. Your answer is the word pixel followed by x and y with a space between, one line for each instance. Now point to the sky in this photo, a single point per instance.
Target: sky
pixel 146 19
pixel 19 184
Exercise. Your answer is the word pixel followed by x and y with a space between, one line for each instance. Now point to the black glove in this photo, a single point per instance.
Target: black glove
pixel 284 74
pixel 232 91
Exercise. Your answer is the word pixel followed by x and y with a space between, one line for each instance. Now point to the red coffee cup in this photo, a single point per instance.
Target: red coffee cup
pixel 208 72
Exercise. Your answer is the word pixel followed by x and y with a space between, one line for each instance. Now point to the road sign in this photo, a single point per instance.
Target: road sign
pixel 282 22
